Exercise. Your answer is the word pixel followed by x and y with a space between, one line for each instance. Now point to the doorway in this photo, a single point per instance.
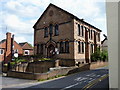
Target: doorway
pixel 50 51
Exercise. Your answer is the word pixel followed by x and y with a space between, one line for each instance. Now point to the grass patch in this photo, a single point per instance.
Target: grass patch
pixel 43 59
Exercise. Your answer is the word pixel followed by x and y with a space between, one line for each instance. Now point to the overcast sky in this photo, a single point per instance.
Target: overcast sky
pixel 19 16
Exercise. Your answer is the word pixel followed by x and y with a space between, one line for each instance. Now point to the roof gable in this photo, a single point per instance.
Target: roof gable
pixel 71 15
pixel 25 45
pixel 48 9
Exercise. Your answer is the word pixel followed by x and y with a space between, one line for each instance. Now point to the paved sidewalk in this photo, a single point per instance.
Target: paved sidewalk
pixel 10 82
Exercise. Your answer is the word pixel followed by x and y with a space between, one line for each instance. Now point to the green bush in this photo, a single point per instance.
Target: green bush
pixel 17 60
pixel 12 63
pixel 45 59
pixel 104 55
pixel 99 55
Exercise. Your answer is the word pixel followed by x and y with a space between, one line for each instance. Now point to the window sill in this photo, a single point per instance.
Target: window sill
pixel 81 36
pixel 56 35
pixel 45 36
pixel 64 52
pixel 80 53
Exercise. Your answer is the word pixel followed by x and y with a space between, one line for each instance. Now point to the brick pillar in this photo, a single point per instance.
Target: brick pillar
pixel 8 55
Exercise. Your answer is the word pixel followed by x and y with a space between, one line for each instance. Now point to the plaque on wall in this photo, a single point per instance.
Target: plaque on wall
pixel 51 13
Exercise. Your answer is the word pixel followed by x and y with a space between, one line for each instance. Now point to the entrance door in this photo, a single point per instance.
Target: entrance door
pixel 51 51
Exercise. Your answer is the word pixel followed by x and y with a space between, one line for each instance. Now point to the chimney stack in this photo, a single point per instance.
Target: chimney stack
pixel 8 47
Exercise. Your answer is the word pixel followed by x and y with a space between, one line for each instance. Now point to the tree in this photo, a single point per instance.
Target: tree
pixel 99 55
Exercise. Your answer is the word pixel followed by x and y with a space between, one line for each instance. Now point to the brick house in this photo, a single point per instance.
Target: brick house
pixel 60 34
pixel 27 48
pixel 6 48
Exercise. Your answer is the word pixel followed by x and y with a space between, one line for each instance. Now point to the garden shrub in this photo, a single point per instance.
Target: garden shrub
pixel 99 55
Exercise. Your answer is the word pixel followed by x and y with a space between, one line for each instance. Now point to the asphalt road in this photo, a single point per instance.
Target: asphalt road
pixel 88 79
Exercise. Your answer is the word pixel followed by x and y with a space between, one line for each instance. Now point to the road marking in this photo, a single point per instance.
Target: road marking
pixel 80 79
pixel 98 75
pixel 90 74
pixel 91 80
pixel 95 81
pixel 69 86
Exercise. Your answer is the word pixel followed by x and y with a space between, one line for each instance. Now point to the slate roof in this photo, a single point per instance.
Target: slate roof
pixel 22 44
pixel 26 45
pixel 2 41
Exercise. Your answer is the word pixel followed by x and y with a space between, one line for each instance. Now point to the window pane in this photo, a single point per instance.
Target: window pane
pixel 67 47
pixel 56 30
pixel 78 29
pixel 41 48
pixel 26 52
pixel 37 48
pixel 91 34
pixel 51 29
pixel 82 30
pixel 82 47
pixel 91 48
pixel 79 48
pixel 46 32
pixel 1 51
pixel 61 47
pixel 98 36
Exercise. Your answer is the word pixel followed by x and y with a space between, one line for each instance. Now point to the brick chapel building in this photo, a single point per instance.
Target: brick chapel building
pixel 60 34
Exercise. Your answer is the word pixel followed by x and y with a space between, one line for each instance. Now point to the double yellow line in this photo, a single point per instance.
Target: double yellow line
pixel 94 82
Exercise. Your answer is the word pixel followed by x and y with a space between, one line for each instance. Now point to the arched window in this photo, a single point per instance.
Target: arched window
pixel 46 32
pixel 51 29
pixel 56 30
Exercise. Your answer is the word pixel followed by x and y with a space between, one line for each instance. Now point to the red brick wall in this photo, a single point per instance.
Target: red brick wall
pixel 2 46
pixel 8 47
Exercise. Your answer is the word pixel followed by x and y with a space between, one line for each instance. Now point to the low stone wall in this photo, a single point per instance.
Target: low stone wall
pixel 35 76
pixel 58 71
pixel 98 64
pixel 34 67
pixel 42 66
pixel 90 66
pixel 67 62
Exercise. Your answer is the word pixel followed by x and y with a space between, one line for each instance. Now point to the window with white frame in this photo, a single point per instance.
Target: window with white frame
pixel 1 51
pixel 26 52
pixel 16 51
